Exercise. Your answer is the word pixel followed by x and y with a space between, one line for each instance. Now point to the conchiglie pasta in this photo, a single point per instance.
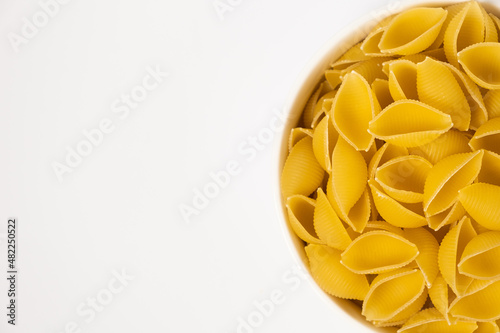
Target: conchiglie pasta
pixel 439 294
pixel 384 154
pixel 403 80
pixel 449 216
pixel 378 251
pixel 324 139
pixel 431 320
pixel 409 123
pixel 481 201
pixel 301 217
pixel 480 62
pixel 450 143
pixel 382 93
pixel 332 276
pixel 487 136
pixel 428 247
pixel 492 103
pixel 490 169
pixel 483 305
pixel 480 257
pixel 298 134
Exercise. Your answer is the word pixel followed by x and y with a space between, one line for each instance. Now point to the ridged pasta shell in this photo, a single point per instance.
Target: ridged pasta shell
pixel 302 174
pixel 452 10
pixel 382 225
pixel 324 139
pixel 481 201
pixel 297 134
pixel 466 28
pixel 428 248
pixel 382 93
pixel 370 69
pixel 447 177
pixel 490 169
pixel 480 62
pixel 487 327
pixel 352 110
pixel 483 305
pixel 301 217
pixel 439 295
pixel 450 250
pixel 403 80
pixel 431 320
pixel 438 88
pixel 391 293
pixel 396 213
pixel 384 154
pixel 487 136
pixel 450 143
pixel 403 178
pixel 378 251
pixel 409 123
pixel 327 224
pixel 332 276
pixel 323 107
pixel 490 30
pixel 492 103
pixel 405 314
pixel 449 216
pixel 480 257
pixel 308 113
pixel 351 56
pixel 421 26
pixel 332 76
pixel 370 44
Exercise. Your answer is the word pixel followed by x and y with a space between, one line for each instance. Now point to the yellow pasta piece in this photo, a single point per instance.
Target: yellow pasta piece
pixel 480 62
pixel 447 177
pixel 368 155
pixel 298 134
pixel 382 93
pixel 430 320
pixel 490 169
pixel 483 305
pixel 352 110
pixel 391 293
pixel 496 20
pixel 451 250
pixel 480 257
pixel 323 106
pixel 370 45
pixel 449 216
pixel 403 80
pixel 308 113
pixel 301 216
pixel 438 88
pixel 384 154
pixel 409 123
pixel 481 201
pixel 378 251
pixel 439 294
pixel 487 327
pixel 403 316
pixel 351 56
pixel 490 30
pixel 487 136
pixel 370 69
pixel 302 174
pixel 396 213
pixel 452 10
pixel 450 143
pixel 466 28
pixel 333 77
pixel 403 178
pixel 324 139
pixel 327 224
pixel 412 31
pixel 492 103
pixel 428 248
pixel 332 276
pixel 382 225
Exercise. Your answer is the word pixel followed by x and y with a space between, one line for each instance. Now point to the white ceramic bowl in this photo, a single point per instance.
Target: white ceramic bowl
pixel 348 314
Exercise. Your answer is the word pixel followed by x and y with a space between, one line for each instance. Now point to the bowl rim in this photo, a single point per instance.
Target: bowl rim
pixel 300 90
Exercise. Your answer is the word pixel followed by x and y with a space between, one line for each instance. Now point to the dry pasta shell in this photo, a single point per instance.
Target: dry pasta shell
pixel 449 216
pixel 323 106
pixel 301 217
pixel 451 250
pixel 392 293
pixel 378 251
pixel 332 276
pixel 403 80
pixel 327 224
pixel 439 294
pixel 405 314
pixel 370 69
pixel 487 327
pixel 447 177
pixel 302 174
pixel 483 305
pixel 480 62
pixel 332 76
pixel 466 28
pixel 324 139
pixel 450 143
pixel 351 56
pixel 438 88
pixel 409 123
pixel 394 212
pixel 370 45
pixel 452 10
pixel 382 93
pixel 403 178
pixel 431 320
pixel 487 136
pixel 492 103
pixel 384 154
pixel 308 113
pixel 428 247
pixel 412 31
pixel 382 225
pixel 480 257
pixel 490 169
pixel 481 201
pixel 297 134
pixel 490 29
pixel 352 110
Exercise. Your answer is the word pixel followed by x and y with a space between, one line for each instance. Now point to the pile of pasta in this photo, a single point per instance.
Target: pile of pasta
pixel 393 174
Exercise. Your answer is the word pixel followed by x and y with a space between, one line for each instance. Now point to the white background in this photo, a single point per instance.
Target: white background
pixel 119 208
